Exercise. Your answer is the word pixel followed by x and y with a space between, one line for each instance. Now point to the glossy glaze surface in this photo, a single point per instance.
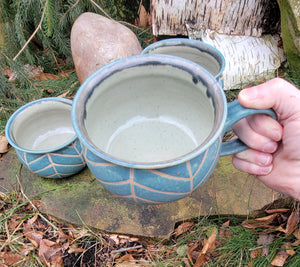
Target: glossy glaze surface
pixel 43 137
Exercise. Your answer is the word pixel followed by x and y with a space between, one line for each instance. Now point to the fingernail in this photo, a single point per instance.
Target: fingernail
pixel 264 160
pixel 276 135
pixel 249 93
pixel 270 147
pixel 265 170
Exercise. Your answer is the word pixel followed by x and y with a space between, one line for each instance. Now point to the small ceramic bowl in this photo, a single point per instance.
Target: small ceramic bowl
pixel 43 137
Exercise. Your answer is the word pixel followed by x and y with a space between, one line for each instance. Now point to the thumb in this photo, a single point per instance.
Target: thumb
pixel 277 93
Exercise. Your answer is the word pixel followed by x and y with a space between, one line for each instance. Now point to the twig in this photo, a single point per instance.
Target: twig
pixel 108 16
pixel 101 9
pixel 34 207
pixel 125 249
pixel 32 35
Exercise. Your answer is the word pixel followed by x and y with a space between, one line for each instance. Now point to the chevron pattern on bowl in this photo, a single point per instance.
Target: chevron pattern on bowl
pixel 59 164
pixel 154 186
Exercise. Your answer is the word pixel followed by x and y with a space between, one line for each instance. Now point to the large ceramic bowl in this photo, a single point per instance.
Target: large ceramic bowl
pixel 151 126
pixel 43 137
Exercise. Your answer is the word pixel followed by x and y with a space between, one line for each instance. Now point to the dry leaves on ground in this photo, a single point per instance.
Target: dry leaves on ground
pixel 278 220
pixel 57 244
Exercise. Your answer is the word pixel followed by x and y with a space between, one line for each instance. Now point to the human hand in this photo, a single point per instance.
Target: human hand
pixel 274 154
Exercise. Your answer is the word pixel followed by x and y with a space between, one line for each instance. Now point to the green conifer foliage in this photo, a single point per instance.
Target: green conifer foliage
pixel 37 33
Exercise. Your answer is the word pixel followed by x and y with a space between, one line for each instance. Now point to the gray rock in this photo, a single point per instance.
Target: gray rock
pixel 81 199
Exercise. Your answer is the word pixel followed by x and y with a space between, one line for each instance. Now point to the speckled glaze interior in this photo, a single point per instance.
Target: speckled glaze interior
pixel 199 52
pixel 44 125
pixel 150 112
pixel 44 139
pixel 148 119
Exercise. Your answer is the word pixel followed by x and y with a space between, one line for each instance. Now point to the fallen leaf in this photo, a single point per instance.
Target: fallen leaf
pixel 280 258
pixel 260 222
pixel 292 222
pixel 200 260
pixel 50 253
pixel 35 237
pixel 126 257
pixel 288 248
pixel 265 241
pixel 255 253
pixel 45 77
pixel 4 146
pixel 268 218
pixel 75 250
pixel 125 238
pixel 190 251
pixel 32 220
pixel 10 258
pixel 226 223
pixel 26 249
pixel 296 243
pixel 296 233
pixel 31 70
pixel 224 231
pixel 80 234
pixel 209 245
pixel 143 17
pixel 62 237
pixel 183 228
pixel 277 211
pixel 15 221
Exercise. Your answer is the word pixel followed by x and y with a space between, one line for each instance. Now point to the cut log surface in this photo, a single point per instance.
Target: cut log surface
pixel 237 17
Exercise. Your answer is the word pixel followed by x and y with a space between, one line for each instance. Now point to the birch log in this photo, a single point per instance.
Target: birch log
pixel 247 58
pixel 236 17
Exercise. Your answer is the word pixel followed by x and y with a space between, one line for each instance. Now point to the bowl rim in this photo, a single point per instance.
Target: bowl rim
pixel 93 81
pixel 205 47
pixel 10 122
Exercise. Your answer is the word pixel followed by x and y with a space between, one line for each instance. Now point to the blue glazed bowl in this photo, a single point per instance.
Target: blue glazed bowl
pixel 197 51
pixel 43 137
pixel 151 126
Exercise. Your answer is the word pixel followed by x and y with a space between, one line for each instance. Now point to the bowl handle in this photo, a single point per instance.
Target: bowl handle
pixel 236 112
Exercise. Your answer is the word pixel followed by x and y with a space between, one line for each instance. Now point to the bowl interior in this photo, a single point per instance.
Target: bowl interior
pixel 149 113
pixel 204 57
pixel 42 125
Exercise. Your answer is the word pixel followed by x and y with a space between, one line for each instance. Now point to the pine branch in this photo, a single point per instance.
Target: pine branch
pixel 48 23
pixel 32 35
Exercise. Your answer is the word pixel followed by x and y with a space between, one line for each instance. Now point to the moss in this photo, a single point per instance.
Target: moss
pixel 290 36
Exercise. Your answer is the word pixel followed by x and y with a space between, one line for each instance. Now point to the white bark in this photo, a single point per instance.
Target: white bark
pixel 246 58
pixel 238 17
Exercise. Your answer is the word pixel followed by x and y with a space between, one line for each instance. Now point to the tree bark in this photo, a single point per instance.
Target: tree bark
pixel 234 17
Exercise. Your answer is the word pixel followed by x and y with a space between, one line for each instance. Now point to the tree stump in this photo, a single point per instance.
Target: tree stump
pixel 245 17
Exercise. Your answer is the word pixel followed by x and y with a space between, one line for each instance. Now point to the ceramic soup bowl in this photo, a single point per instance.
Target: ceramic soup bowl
pixel 43 137
pixel 151 126
pixel 199 52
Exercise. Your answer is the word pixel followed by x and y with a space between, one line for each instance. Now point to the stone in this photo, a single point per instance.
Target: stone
pixel 290 31
pixel 82 200
pixel 97 41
